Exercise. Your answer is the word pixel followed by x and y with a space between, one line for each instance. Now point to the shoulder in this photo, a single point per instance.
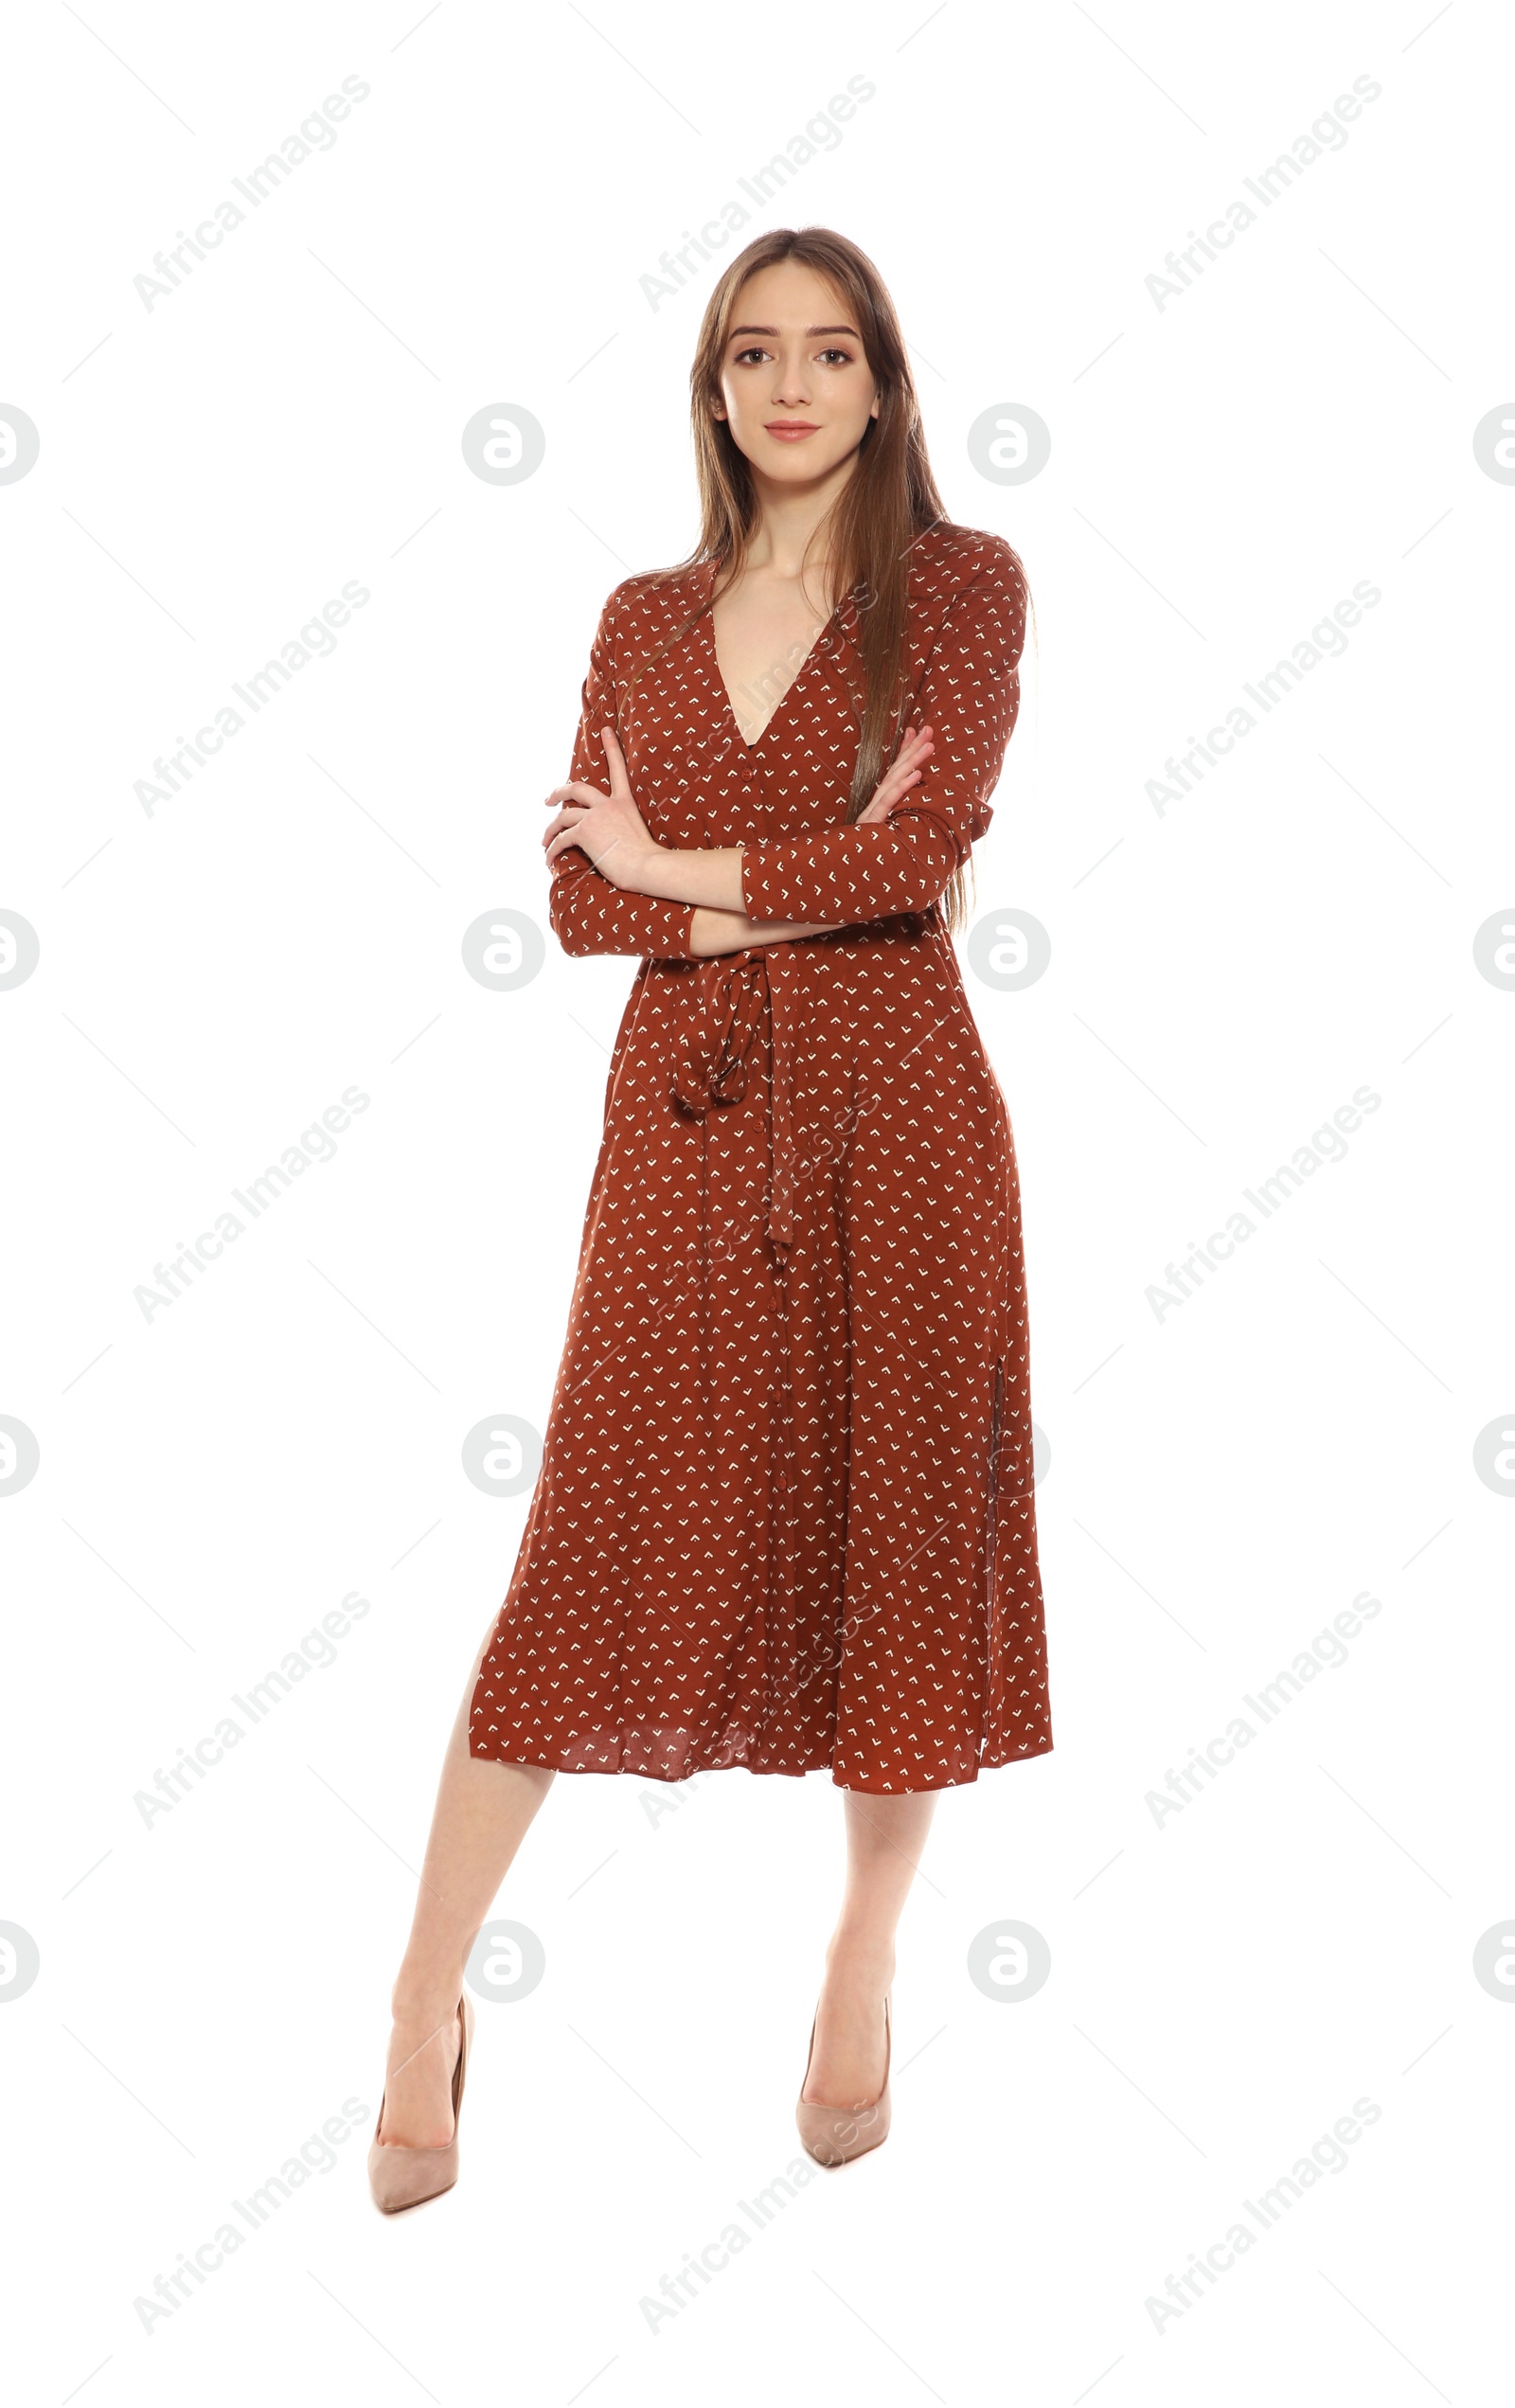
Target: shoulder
pixel 949 561
pixel 652 604
pixel 967 585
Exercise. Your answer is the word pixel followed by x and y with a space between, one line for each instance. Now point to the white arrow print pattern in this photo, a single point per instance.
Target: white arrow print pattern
pixel 785 1519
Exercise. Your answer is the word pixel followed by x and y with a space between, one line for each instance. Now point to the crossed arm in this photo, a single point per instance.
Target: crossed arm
pixel 657 898
pixel 616 890
pixel 709 884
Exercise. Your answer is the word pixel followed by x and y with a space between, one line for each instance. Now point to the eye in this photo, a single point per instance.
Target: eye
pixel 752 352
pixel 834 351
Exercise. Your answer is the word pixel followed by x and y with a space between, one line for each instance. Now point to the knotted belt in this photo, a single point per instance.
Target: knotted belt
pixel 719 1019
pixel 719 1010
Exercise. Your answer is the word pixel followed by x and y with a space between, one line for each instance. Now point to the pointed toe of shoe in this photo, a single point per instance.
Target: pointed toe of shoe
pixel 400 2178
pixel 833 2136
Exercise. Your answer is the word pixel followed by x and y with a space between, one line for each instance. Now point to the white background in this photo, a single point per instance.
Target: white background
pixel 1222 1482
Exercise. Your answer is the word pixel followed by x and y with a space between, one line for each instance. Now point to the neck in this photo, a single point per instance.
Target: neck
pixel 787 520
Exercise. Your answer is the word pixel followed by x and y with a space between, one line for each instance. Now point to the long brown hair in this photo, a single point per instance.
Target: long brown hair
pixel 886 506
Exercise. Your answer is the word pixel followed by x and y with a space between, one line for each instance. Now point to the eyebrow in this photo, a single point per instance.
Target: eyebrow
pixel 809 331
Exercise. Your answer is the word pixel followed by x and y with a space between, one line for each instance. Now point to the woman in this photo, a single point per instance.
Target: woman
pixel 785 1516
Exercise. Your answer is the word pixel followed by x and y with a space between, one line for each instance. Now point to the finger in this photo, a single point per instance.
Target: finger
pixel 564 823
pixel 895 782
pixel 886 798
pixel 914 748
pixel 915 759
pixel 890 793
pixel 620 785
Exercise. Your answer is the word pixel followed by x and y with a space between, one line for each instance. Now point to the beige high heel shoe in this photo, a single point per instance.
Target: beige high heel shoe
pixel 834 2135
pixel 402 2177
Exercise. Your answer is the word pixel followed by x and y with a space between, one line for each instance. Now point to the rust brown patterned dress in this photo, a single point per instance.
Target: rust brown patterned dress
pixel 785 1517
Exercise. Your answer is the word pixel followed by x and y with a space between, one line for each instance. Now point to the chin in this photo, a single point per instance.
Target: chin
pixel 798 462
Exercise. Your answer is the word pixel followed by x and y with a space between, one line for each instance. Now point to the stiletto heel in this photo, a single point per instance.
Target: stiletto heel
pixel 834 2135
pixel 402 2177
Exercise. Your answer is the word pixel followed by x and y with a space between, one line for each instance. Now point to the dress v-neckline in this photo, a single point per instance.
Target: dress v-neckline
pixel 707 622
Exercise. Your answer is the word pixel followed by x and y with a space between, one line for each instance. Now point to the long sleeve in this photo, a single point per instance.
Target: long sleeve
pixel 589 915
pixel 970 695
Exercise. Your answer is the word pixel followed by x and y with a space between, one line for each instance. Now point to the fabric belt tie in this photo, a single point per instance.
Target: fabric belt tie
pixel 720 1020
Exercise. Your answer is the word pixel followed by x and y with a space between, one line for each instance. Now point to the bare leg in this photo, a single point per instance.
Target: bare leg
pixel 482 1813
pixel 885 1840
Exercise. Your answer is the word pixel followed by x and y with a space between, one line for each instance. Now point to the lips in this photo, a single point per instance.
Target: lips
pixel 789 430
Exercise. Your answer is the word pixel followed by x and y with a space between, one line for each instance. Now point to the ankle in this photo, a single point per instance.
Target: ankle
pixel 863 1958
pixel 421 2003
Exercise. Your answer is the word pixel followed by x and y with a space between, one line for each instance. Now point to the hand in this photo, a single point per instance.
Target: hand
pixel 903 773
pixel 609 828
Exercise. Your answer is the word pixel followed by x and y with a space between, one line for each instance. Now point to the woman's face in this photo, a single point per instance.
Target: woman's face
pixel 795 386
